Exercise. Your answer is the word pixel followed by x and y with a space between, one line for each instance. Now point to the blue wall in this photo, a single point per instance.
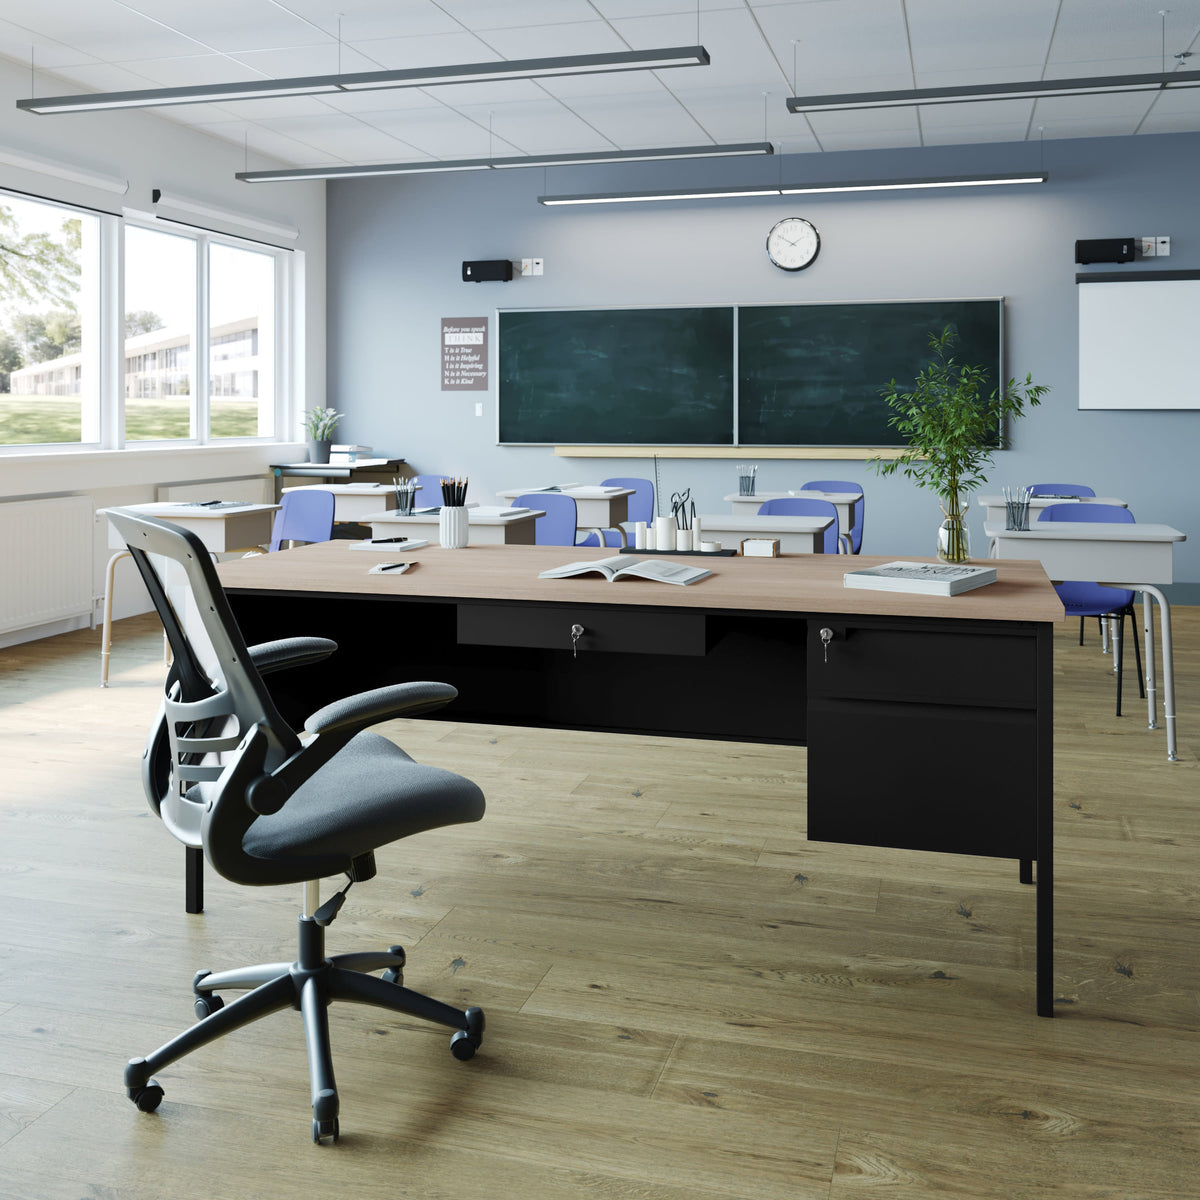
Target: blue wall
pixel 396 246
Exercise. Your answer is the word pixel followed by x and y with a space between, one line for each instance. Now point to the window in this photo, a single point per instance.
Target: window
pixel 159 326
pixel 49 323
pixel 196 356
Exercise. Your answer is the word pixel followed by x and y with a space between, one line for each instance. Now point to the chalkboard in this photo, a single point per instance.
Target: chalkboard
pixel 617 376
pixel 811 374
pixel 801 375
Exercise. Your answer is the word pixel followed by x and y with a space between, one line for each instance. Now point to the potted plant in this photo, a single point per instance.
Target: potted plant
pixel 951 427
pixel 319 424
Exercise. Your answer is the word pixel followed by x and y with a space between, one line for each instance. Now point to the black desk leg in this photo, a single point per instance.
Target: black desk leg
pixel 1045 935
pixel 1026 870
pixel 1044 822
pixel 193 858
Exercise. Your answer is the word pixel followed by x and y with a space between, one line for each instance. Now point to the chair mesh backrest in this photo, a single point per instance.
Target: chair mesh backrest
pixel 858 511
pixel 557 527
pixel 796 506
pixel 641 503
pixel 304 516
pixel 1060 489
pixel 1083 597
pixel 214 695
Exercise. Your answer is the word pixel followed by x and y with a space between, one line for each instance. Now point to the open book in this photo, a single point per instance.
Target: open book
pixel 620 567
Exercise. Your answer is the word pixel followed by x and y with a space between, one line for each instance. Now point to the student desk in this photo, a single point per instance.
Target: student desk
pixel 928 720
pixel 844 502
pixel 485 529
pixel 353 502
pixel 796 535
pixel 1114 554
pixel 596 507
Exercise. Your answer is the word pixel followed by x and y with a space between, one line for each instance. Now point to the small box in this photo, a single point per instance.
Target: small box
pixel 760 547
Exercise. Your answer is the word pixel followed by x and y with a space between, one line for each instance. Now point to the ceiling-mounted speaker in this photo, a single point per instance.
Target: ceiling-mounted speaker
pixel 1104 250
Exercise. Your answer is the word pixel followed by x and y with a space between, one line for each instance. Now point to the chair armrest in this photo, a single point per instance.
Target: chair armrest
pixel 382 704
pixel 290 652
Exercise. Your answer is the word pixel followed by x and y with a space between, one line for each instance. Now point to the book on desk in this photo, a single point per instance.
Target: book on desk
pixel 930 579
pixel 618 568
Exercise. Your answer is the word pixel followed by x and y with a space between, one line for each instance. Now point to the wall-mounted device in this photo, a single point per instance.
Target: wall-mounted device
pixel 1105 250
pixel 488 270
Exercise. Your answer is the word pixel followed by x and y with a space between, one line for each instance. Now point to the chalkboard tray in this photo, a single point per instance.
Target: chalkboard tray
pixel 682 553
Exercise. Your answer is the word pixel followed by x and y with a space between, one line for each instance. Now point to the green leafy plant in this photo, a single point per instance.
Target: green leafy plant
pixel 950 424
pixel 319 423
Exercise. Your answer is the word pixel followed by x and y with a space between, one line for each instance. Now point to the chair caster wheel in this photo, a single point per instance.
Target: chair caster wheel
pixel 148 1097
pixel 325 1129
pixel 205 1006
pixel 466 1041
pixel 393 975
pixel 463 1046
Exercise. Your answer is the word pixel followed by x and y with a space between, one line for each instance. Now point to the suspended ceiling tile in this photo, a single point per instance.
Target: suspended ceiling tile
pixel 103 28
pixel 1086 126
pixel 488 14
pixel 948 36
pixel 893 127
pixel 843 47
pixel 376 18
pixel 554 40
pixel 961 135
pixel 431 50
pixel 277 147
pixel 1116 106
pixel 323 59
pixel 618 84
pixel 1176 102
pixel 639 121
pixel 340 135
pixel 985 115
pixel 384 100
pixel 1092 32
pixel 187 69
pixel 739 114
pixel 1178 122
pixel 540 128
pixel 441 134
pixel 21 44
pixel 617 9
pixel 892 139
pixel 229 24
pixel 91 77
pixel 267 109
pixel 497 92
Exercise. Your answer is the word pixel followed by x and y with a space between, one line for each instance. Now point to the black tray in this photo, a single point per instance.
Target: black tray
pixel 682 553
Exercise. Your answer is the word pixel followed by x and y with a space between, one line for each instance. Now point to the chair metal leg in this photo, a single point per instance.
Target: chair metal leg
pixel 106 634
pixel 193 882
pixel 325 1103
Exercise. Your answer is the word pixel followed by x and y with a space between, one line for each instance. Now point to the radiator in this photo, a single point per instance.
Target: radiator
pixel 46 561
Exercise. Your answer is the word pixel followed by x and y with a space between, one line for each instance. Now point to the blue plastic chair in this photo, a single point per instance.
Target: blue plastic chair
pixel 1084 599
pixel 557 527
pixel 796 506
pixel 430 495
pixel 1060 489
pixel 854 533
pixel 640 504
pixel 304 516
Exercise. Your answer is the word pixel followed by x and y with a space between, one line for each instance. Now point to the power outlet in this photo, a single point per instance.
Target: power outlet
pixel 1148 245
pixel 527 266
pixel 1162 247
pixel 479 408
pixel 537 266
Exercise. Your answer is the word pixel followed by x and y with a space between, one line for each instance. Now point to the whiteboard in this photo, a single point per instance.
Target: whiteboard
pixel 1137 343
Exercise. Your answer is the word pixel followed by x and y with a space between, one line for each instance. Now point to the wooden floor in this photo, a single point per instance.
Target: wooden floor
pixel 686 1000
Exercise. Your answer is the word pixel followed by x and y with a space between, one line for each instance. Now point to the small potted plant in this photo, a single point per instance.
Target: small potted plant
pixel 952 427
pixel 319 424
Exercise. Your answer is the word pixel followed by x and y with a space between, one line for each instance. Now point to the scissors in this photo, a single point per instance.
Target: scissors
pixel 679 501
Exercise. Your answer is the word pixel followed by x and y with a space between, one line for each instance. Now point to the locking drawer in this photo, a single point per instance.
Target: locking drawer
pixel 605 630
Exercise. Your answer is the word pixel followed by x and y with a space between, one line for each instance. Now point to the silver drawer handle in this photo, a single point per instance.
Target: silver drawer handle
pixel 576 634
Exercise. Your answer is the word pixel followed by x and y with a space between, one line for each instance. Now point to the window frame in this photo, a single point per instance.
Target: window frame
pixel 108 416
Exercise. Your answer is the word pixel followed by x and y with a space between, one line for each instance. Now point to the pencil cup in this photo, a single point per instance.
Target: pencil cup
pixel 453 529
pixel 683 539
pixel 404 500
pixel 664 533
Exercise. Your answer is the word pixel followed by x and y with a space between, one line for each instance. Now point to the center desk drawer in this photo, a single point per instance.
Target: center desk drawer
pixel 605 630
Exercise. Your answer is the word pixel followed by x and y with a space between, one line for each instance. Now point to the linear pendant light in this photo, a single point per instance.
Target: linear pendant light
pixel 316 85
pixel 796 189
pixel 974 93
pixel 484 164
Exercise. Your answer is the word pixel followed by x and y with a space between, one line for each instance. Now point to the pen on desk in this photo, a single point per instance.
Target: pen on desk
pixel 393 566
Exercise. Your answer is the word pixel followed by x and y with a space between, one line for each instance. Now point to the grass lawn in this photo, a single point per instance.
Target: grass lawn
pixel 33 420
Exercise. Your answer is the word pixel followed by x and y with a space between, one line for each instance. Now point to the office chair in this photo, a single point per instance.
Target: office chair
pixel 1083 599
pixel 558 526
pixel 640 508
pixel 303 516
pixel 1060 489
pixel 273 809
pixel 852 538
pixel 796 506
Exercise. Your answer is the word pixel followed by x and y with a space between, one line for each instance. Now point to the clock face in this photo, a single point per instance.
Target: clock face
pixel 793 243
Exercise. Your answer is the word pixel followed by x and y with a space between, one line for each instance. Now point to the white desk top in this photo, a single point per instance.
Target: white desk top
pixel 1046 501
pixel 341 489
pixel 586 491
pixel 1087 531
pixel 474 517
pixel 1103 552
pixel 798 494
pixel 753 524
pixel 178 509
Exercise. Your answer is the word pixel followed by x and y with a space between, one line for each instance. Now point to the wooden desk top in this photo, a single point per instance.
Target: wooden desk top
pixel 790 583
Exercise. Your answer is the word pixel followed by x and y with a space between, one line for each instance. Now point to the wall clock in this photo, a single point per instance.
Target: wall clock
pixel 793 243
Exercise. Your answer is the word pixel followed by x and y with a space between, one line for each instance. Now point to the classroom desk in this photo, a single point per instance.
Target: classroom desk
pixel 1113 554
pixel 797 535
pixel 844 502
pixel 385 468
pixel 593 513
pixel 928 720
pixel 353 502
pixel 993 506
pixel 515 529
